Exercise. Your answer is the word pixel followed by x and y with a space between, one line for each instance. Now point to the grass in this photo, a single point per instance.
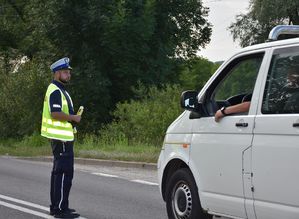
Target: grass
pixel 89 147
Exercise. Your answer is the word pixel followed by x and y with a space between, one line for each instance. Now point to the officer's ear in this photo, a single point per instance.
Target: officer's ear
pixel 56 74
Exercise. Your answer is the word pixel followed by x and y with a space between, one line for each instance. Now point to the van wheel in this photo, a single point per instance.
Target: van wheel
pixel 182 199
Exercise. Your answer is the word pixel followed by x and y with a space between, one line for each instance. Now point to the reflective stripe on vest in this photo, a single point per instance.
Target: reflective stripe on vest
pixel 51 128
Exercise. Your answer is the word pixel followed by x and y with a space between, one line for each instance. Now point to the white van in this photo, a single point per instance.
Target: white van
pixel 247 164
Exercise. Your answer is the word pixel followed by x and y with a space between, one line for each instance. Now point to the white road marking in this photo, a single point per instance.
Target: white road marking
pixel 145 182
pixel 105 175
pixel 24 202
pixel 136 180
pixel 26 210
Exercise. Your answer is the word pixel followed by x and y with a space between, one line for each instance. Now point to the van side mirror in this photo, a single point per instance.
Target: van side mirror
pixel 189 100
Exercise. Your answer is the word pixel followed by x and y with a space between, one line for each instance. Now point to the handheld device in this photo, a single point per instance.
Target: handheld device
pixel 80 111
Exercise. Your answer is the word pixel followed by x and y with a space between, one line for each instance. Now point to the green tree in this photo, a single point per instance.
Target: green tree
pixel 255 26
pixel 196 72
pixel 112 44
pixel 22 30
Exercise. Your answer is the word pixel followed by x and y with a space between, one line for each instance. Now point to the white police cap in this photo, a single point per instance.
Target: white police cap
pixel 63 63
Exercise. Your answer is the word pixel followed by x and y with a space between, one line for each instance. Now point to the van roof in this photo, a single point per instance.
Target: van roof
pixel 270 44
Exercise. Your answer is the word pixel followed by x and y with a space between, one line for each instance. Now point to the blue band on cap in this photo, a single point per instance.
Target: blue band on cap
pixel 64 66
pixel 63 63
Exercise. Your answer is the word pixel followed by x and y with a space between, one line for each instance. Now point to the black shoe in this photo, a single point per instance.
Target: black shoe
pixel 68 210
pixel 66 215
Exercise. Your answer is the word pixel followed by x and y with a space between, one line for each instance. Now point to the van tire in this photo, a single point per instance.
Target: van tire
pixel 182 201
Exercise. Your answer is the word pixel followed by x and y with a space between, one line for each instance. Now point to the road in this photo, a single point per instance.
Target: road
pixel 97 192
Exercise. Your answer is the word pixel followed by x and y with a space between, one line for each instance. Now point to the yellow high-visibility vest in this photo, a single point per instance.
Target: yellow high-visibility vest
pixel 51 128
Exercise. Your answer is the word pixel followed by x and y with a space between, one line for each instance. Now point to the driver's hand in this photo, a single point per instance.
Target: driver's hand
pixel 218 116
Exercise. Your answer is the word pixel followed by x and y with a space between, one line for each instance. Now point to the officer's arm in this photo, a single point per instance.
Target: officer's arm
pixel 61 116
pixel 56 109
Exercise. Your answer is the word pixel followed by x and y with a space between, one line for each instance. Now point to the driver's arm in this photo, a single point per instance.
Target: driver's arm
pixel 239 108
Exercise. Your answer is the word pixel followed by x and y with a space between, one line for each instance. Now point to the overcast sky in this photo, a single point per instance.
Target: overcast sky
pixel 222 14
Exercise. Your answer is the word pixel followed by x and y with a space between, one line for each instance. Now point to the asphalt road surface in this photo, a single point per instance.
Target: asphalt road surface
pixel 97 192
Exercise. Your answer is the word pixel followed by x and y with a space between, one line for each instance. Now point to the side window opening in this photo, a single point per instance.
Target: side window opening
pixel 235 84
pixel 241 80
pixel 281 95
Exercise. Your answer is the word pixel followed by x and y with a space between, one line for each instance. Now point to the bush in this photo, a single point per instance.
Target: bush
pixel 21 98
pixel 146 119
pixel 34 140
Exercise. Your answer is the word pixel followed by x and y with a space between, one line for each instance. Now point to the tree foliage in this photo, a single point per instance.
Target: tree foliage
pixel 146 119
pixel 112 45
pixel 255 26
pixel 22 96
pixel 195 72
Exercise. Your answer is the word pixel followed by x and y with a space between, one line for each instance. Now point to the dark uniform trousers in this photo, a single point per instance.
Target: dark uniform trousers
pixel 62 174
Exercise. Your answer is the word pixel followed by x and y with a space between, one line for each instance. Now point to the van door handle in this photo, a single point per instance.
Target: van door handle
pixel 242 124
pixel 295 124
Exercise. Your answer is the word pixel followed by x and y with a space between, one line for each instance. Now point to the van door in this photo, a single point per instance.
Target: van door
pixel 218 149
pixel 275 151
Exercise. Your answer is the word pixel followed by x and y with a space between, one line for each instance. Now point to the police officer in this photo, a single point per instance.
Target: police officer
pixel 58 115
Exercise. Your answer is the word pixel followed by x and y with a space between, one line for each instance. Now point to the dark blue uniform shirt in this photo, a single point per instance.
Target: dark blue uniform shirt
pixel 55 99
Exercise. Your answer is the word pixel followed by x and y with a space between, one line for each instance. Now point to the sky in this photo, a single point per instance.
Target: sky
pixel 222 14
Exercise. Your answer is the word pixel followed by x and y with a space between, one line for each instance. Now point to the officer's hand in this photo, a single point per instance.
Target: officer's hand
pixel 76 118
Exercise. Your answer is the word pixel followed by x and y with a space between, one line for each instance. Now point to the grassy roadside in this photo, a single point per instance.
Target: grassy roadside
pixel 89 147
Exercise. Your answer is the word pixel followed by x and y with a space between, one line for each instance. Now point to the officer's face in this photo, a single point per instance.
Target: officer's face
pixel 65 75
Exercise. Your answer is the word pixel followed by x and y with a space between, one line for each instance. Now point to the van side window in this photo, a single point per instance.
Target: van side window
pixel 281 93
pixel 236 83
